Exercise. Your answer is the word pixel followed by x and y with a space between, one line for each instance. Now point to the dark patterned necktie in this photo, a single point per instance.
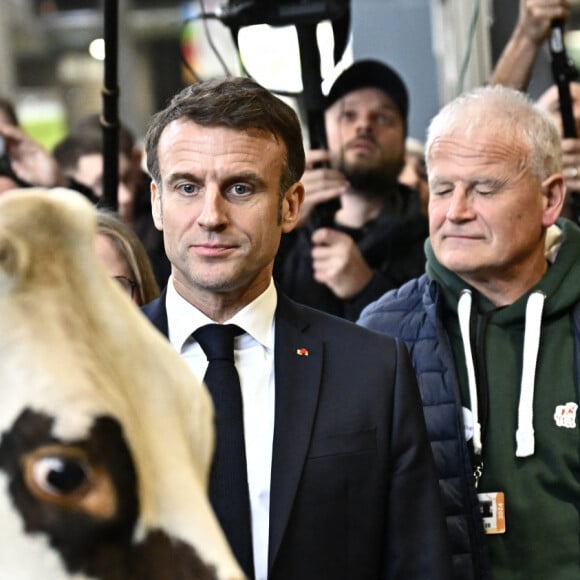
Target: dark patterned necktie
pixel 228 488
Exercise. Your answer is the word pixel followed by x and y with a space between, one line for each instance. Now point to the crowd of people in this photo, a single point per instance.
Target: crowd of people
pixel 402 318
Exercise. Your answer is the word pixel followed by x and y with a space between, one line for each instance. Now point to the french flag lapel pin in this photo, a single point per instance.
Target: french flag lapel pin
pixel 302 351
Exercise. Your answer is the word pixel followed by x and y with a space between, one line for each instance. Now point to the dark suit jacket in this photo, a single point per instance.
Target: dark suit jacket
pixel 354 495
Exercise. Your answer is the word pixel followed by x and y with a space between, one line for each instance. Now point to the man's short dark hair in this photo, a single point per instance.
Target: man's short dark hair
pixel 237 103
pixel 90 127
pixel 69 151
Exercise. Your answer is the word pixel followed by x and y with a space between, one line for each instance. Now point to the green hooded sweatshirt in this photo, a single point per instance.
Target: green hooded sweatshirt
pixel 541 484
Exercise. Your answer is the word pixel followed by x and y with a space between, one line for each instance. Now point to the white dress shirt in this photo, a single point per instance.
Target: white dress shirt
pixel 254 359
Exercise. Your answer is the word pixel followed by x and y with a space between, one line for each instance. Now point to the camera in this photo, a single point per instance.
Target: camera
pixel 5 167
pixel 238 13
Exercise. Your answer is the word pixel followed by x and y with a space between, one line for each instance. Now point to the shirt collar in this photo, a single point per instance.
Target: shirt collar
pixel 256 318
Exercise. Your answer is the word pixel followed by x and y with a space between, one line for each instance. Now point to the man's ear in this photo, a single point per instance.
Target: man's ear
pixel 291 204
pixel 156 206
pixel 554 191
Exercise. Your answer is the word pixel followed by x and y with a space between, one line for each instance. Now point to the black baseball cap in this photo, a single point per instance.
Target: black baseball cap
pixel 373 74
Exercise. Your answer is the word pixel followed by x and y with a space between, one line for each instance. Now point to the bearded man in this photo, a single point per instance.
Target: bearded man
pixel 362 232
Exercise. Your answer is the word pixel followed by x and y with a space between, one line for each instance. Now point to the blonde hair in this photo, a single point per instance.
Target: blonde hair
pixel 130 247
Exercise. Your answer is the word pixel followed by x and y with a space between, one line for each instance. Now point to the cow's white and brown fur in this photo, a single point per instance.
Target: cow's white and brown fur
pixel 105 436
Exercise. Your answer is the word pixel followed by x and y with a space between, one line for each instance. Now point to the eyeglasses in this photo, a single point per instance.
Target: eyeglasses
pixel 127 284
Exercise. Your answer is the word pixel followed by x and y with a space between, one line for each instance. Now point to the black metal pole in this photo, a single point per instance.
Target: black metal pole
pixel 563 72
pixel 312 101
pixel 110 115
pixel 312 97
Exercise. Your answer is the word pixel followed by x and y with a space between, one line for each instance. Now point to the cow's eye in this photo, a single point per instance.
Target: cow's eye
pixel 60 475
pixel 58 472
pixel 65 476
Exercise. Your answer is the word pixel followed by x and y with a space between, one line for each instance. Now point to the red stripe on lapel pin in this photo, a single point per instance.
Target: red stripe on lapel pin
pixel 302 351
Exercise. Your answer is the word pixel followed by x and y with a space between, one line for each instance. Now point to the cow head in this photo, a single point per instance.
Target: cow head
pixel 105 436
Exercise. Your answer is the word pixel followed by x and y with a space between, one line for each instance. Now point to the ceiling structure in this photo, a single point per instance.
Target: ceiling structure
pixel 43 48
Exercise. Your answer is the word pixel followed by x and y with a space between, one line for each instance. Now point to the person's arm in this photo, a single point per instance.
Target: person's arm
pixel 30 161
pixel 533 27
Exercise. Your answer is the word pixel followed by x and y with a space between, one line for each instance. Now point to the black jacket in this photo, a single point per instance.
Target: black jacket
pixel 392 246
pixel 353 489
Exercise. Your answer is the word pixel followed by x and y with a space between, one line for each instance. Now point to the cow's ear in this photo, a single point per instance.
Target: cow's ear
pixel 13 262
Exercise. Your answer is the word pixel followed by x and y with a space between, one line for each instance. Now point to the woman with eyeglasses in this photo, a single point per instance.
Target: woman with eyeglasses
pixel 124 257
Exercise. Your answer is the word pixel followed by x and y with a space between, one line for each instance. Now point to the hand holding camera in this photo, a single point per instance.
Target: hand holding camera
pixel 26 161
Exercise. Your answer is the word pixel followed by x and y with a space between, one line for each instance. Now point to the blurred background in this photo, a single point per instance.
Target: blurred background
pixel 51 52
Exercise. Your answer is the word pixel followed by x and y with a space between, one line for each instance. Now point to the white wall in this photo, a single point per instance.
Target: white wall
pixel 426 51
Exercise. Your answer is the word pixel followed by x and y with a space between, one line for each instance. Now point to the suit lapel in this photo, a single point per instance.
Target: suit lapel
pixel 298 368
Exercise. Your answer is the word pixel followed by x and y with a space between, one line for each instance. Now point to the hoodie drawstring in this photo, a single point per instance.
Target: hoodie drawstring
pixel 525 433
pixel 464 313
pixel 525 443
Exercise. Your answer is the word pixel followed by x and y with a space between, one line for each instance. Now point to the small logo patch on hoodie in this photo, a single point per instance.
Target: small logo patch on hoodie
pixel 565 415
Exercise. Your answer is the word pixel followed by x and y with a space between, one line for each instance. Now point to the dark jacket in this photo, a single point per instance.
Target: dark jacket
pixel 392 246
pixel 414 313
pixel 353 490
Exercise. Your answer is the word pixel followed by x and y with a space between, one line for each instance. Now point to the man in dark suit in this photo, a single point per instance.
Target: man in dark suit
pixel 340 474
